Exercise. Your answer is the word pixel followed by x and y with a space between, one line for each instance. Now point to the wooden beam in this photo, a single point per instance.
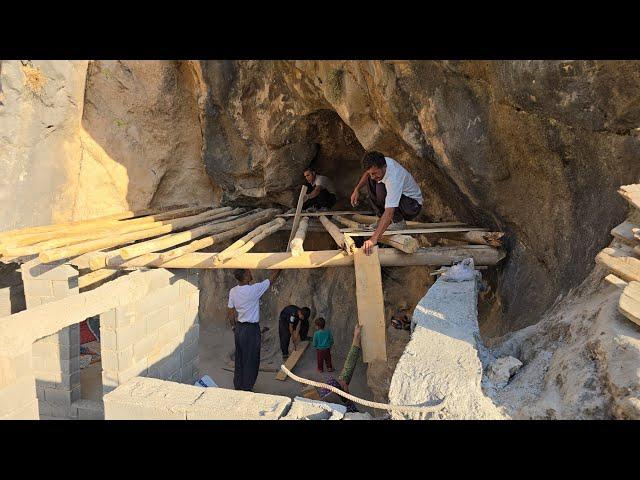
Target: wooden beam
pixel 629 303
pixel 328 213
pixel 92 278
pixel 296 217
pixel 370 302
pixel 369 219
pixel 477 238
pixel 217 224
pixel 349 223
pixel 89 221
pixel 631 193
pixel 616 281
pixel 356 233
pixel 298 239
pixel 247 242
pixel 433 256
pixel 624 233
pixel 292 360
pixel 404 243
pixel 48 256
pixel 625 267
pixel 345 243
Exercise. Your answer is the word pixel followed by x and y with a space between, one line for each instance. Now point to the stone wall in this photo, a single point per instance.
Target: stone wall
pixel 156 336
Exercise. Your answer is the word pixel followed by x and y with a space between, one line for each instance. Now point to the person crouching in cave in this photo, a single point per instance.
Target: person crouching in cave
pixel 343 380
pixel 293 325
pixel 392 191
pixel 321 194
pixel 243 315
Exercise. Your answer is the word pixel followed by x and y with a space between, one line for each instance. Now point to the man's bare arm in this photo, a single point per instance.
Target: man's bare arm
pixel 314 193
pixel 383 223
pixel 274 276
pixel 231 316
pixel 356 191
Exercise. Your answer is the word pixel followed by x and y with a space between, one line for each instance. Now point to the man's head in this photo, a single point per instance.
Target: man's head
pixel 310 175
pixel 375 165
pixel 320 323
pixel 304 313
pixel 243 275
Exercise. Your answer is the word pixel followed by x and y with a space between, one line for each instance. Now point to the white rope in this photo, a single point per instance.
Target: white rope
pixel 380 406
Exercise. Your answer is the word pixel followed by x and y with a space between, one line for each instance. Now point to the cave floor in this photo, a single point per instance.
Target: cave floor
pixel 216 345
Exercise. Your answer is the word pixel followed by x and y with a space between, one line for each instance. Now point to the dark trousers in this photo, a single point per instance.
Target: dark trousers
pixel 324 356
pixel 324 199
pixel 285 337
pixel 407 209
pixel 247 358
pixel 304 329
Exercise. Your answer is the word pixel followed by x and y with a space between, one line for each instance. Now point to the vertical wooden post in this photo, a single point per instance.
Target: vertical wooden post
pixel 296 218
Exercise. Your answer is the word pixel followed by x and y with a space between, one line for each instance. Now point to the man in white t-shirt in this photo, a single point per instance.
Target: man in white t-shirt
pixel 321 194
pixel 244 316
pixel 393 193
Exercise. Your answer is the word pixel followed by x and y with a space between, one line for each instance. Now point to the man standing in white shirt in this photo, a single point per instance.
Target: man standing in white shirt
pixel 394 194
pixel 244 315
pixel 321 194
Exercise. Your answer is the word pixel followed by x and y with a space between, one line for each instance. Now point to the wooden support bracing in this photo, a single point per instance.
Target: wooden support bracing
pixel 358 232
pixel 292 360
pixel 631 193
pixel 404 243
pixel 48 256
pixel 344 242
pixel 298 238
pixel 247 242
pixel 629 303
pixel 369 219
pixel 370 302
pixel 296 218
pixel 627 268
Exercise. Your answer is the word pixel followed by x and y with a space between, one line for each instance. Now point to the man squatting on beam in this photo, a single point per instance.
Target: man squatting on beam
pixel 322 194
pixel 243 314
pixel 293 325
pixel 393 193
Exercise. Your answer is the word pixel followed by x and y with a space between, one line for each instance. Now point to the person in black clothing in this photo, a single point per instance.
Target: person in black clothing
pixel 293 324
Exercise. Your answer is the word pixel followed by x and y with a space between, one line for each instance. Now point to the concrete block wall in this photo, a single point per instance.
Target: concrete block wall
pixel 153 337
pixel 56 358
pixel 153 399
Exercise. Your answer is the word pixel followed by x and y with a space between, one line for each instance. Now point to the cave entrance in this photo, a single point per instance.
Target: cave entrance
pixel 337 152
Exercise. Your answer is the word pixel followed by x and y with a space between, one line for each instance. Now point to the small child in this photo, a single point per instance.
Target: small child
pixel 322 342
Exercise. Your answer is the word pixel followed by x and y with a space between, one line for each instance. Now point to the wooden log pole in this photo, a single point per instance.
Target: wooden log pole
pixel 477 238
pixel 345 243
pixel 247 242
pixel 298 239
pixel 433 256
pixel 369 219
pixel 49 256
pixel 404 243
pixel 296 218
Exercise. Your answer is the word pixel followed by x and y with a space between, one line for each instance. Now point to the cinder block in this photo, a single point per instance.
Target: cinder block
pixel 123 337
pixel 156 319
pixel 125 315
pixel 192 335
pixel 169 331
pixel 189 353
pixel 89 410
pixel 63 288
pixel 157 299
pixel 16 394
pixel 108 320
pixel 62 398
pixel 165 351
pixel 109 381
pixel 139 369
pixel 145 347
pixel 51 350
pixel 117 360
pixel 48 271
pixel 178 310
pixel 57 411
pixel 187 287
pixel 38 288
pixel 69 336
pixel 194 302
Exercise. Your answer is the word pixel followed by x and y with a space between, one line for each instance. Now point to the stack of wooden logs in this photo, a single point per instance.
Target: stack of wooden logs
pixel 152 237
pixel 623 259
pixel 358 225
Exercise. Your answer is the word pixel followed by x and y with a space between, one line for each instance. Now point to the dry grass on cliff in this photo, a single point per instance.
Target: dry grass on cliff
pixel 34 79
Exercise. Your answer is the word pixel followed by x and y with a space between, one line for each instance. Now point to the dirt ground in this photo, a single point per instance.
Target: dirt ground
pixel 217 345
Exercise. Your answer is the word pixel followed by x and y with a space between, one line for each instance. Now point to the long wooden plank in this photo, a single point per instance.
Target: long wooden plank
pixel 629 303
pixel 328 213
pixel 370 302
pixel 432 256
pixel 296 217
pixel 48 256
pixel 247 242
pixel 292 360
pixel 297 244
pixel 369 219
pixel 624 233
pixel 625 267
pixel 411 231
pixel 616 281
